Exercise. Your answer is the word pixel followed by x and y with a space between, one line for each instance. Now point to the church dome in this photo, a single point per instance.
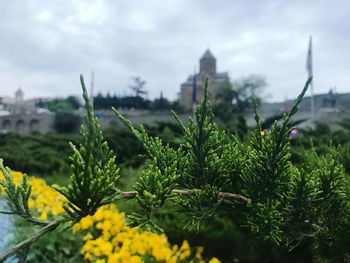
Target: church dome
pixel 207 55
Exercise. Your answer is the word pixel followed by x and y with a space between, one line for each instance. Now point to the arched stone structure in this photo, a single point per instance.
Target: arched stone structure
pixel 27 123
pixel 20 126
pixel 7 125
pixel 34 125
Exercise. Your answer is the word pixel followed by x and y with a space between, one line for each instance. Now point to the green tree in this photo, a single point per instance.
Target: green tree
pixel 67 122
pixel 70 103
pixel 247 88
pixel 161 104
pixel 234 99
pixel 138 86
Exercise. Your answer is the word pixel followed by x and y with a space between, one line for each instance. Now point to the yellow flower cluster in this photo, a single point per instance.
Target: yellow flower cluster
pixel 17 177
pixel 115 242
pixel 44 199
pixel 107 238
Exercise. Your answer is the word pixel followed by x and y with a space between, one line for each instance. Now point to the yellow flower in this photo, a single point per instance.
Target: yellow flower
pixel 199 252
pixel 185 254
pixel 88 236
pixel 125 256
pixel 136 259
pixel 171 260
pixel 185 245
pixel 114 241
pixel 57 209
pixel 113 258
pixel 106 248
pixel 86 222
pixel 87 256
pixel 105 225
pixel 159 253
pixel 214 260
pixel 43 215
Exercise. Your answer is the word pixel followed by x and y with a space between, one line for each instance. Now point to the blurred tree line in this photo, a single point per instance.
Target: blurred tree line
pixel 45 154
pixel 135 101
pixel 68 116
pixel 234 99
pixel 106 102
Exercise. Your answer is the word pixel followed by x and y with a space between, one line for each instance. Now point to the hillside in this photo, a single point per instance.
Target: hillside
pixel 324 112
pixel 342 103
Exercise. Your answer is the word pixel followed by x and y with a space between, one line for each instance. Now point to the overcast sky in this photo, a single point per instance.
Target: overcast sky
pixel 45 45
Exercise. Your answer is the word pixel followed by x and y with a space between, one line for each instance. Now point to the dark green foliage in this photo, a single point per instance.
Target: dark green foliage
pixel 319 139
pixel 234 99
pixel 161 104
pixel 127 102
pixel 345 124
pixel 134 102
pixel 36 154
pixel 268 175
pixel 68 104
pixel 268 122
pixel 46 154
pixel 126 146
pixel 67 122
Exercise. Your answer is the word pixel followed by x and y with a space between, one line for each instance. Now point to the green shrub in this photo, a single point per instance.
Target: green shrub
pixel 211 179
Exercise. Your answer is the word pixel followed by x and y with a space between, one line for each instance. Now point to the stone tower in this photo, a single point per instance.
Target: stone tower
pixel 19 95
pixel 207 68
pixel 207 64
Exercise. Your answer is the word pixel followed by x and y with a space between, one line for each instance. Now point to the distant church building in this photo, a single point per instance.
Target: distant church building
pixel 193 88
pixel 23 116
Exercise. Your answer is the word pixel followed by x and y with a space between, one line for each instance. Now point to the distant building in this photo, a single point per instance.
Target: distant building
pixel 23 116
pixel 192 89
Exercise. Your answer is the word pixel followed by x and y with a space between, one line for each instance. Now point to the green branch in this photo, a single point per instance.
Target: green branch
pixel 29 241
pixel 221 195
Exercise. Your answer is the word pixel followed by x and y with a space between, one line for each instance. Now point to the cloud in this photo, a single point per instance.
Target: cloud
pixel 45 45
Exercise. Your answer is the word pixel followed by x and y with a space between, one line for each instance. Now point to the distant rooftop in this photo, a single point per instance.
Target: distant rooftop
pixel 218 78
pixel 208 55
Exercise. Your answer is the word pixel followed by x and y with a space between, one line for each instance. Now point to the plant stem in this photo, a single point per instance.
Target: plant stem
pixel 29 241
pixel 221 195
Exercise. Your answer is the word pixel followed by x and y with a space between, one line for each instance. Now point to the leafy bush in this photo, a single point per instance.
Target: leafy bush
pixel 67 122
pixel 36 154
pixel 46 154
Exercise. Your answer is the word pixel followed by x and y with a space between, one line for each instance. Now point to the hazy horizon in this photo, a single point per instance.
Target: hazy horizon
pixel 46 45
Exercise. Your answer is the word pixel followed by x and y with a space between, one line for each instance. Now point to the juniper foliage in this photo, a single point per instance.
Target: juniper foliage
pixel 94 171
pixel 92 183
pixel 276 200
pixel 210 175
pixel 17 196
